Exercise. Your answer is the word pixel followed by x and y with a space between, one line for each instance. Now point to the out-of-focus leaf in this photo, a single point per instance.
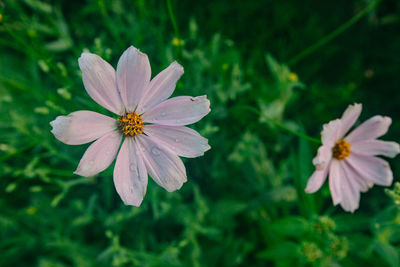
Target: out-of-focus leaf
pixel 290 226
pixel 388 253
pixel 284 251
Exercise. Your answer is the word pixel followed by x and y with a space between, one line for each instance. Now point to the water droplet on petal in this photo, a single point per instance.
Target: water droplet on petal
pixel 177 140
pixel 155 151
pixel 132 167
pixel 163 114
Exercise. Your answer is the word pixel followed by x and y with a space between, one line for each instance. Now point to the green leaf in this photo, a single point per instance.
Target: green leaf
pixel 388 253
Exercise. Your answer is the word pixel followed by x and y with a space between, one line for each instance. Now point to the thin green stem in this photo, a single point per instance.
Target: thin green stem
pixel 282 126
pixel 333 34
pixel 172 17
pixel 60 172
pixel 30 49
pixel 18 151
pixel 299 134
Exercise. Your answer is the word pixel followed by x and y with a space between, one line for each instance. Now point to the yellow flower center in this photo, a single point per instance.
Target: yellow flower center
pixel 341 150
pixel 130 124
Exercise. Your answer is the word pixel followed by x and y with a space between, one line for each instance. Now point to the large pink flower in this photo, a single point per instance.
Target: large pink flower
pixel 351 160
pixel 153 126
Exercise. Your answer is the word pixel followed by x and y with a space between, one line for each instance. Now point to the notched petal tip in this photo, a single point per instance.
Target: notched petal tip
pixel 177 67
pixel 323 157
pixel 60 126
pixel 133 50
pixel 171 189
pixel 136 203
pixel 346 208
pixel 330 132
pixel 84 54
pixel 387 120
pixel 372 128
pixel 396 149
pixel 79 172
pixel 202 99
pixel 206 148
pixel 84 57
pixel 354 107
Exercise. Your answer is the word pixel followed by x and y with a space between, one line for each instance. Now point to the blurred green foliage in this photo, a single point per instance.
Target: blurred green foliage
pixel 244 202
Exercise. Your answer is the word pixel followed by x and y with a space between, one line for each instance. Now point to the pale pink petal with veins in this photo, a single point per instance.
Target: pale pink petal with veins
pixel 133 77
pixel 178 111
pixel 81 127
pixel 160 88
pixel 99 79
pixel 130 175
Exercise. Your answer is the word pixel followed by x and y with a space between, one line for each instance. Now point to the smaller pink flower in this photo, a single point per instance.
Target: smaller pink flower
pixel 151 125
pixel 350 161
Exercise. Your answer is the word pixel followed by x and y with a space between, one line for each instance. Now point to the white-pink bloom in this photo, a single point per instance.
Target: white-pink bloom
pixel 350 161
pixel 153 126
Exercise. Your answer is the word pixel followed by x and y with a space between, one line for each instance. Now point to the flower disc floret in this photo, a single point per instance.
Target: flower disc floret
pixel 341 150
pixel 130 124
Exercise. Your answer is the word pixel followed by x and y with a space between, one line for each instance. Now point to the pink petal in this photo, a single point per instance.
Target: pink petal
pixel 133 76
pixel 178 111
pixel 349 117
pixel 376 147
pixel 355 178
pixel 99 80
pixel 99 155
pixel 349 189
pixel 374 169
pixel 166 169
pixel 317 180
pixel 130 175
pixel 331 132
pixel 161 87
pixel 180 140
pixel 323 157
pixel 335 177
pixel 82 127
pixel 370 129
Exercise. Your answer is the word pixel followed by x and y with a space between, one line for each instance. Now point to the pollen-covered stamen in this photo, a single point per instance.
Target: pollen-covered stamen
pixel 130 124
pixel 341 150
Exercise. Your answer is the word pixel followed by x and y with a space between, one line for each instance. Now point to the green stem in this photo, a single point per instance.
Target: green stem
pixel 333 34
pixel 18 151
pixel 61 172
pixel 299 134
pixel 283 127
pixel 172 17
pixel 29 49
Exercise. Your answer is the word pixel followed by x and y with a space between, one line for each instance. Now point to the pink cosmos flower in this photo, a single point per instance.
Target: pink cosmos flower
pixel 152 126
pixel 350 161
